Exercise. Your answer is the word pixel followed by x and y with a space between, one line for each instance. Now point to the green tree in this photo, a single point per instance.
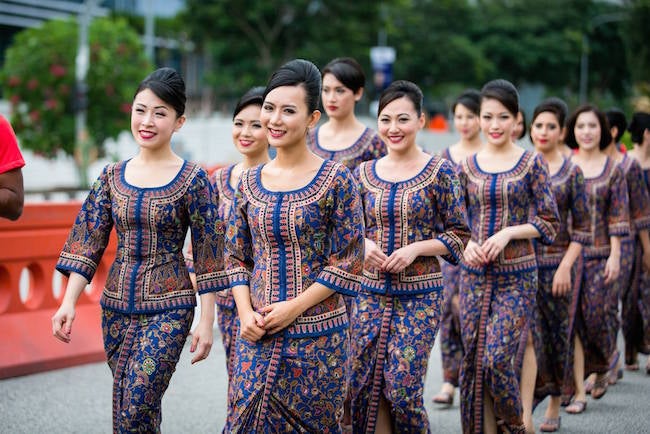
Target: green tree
pixel 636 34
pixel 39 81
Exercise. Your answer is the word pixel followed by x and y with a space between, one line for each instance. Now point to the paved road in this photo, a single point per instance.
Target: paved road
pixel 78 400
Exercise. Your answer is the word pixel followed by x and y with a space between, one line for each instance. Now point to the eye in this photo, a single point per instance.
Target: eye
pixel 256 125
pixel 161 114
pixel 340 91
pixel 238 124
pixel 289 111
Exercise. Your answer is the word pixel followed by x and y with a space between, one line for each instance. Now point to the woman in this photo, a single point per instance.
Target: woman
pixel 559 268
pixel 509 203
pixel 519 131
pixel 466 122
pixel 587 130
pixel 148 300
pixel 413 212
pixel 343 137
pixel 639 202
pixel 294 244
pixel 636 305
pixel 249 137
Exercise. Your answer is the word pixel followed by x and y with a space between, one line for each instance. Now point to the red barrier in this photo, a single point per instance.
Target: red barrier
pixel 29 251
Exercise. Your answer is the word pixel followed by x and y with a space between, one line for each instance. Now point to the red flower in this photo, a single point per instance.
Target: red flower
pixel 51 103
pixel 35 115
pixel 13 81
pixel 125 107
pixel 57 70
pixel 32 84
pixel 15 99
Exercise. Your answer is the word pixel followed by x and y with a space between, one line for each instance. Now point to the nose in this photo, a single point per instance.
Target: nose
pixel 275 117
pixel 147 118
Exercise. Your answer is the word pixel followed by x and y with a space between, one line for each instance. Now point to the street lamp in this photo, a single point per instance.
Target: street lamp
pixel 584 59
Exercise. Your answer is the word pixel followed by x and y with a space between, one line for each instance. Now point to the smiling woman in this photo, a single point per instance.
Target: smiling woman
pixel 148 300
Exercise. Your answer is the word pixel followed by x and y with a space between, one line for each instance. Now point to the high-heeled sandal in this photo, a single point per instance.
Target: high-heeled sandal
pixel 600 386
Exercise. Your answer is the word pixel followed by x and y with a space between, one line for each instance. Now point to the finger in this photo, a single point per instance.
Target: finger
pixel 195 341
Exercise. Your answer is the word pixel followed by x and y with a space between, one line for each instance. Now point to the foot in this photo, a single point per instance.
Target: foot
pixel 589 385
pixel 550 424
pixel 614 375
pixel 600 386
pixel 576 407
pixel 444 398
pixel 632 367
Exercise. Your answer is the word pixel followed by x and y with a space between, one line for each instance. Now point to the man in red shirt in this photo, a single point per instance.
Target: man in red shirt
pixel 11 176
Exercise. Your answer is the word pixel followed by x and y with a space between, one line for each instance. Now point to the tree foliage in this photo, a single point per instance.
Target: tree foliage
pixel 39 81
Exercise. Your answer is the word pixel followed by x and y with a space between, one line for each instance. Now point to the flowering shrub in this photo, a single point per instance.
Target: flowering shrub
pixel 39 82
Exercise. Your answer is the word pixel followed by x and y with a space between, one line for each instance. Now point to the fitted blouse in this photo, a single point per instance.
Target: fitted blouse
pixel 517 196
pixel 149 273
pixel 568 186
pixel 427 206
pixel 280 243
pixel 367 147
pixel 225 195
pixel 608 209
pixel 638 195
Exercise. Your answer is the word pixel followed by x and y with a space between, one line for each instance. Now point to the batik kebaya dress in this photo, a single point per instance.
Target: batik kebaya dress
pixel 279 244
pixel 497 300
pixel 148 300
pixel 451 346
pixel 598 305
pixel 636 297
pixel 554 316
pixel 396 315
pixel 367 147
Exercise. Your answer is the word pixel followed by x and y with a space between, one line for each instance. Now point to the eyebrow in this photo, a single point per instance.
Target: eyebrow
pixel 155 107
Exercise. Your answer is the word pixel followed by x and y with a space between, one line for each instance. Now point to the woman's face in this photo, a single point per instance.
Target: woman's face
pixel 153 121
pixel 466 122
pixel 545 132
pixel 338 100
pixel 248 134
pixel 497 122
pixel 398 124
pixel 286 117
pixel 519 127
pixel 587 131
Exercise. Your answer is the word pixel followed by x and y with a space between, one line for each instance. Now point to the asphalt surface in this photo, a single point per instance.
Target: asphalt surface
pixel 78 400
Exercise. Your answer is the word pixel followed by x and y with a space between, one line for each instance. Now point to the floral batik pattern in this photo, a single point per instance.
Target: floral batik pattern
pixel 279 244
pixel 142 352
pixel 607 199
pixel 496 300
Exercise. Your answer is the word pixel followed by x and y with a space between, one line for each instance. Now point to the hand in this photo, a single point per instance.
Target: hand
pixel 62 322
pixel 612 268
pixel 645 261
pixel 201 341
pixel 373 256
pixel 399 259
pixel 251 326
pixel 279 315
pixel 561 281
pixel 494 245
pixel 474 255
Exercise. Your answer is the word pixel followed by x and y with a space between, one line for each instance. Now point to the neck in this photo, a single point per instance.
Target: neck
pixel 408 154
pixel 611 150
pixel 342 124
pixel 551 155
pixel 255 160
pixel 642 150
pixel 156 155
pixel 471 144
pixel 291 156
pixel 591 154
pixel 499 149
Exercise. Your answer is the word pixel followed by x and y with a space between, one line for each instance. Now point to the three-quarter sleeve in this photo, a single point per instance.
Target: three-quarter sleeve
pixel 90 232
pixel 618 212
pixel 580 217
pixel 639 197
pixel 546 218
pixel 207 236
pixel 238 241
pixel 346 239
pixel 450 207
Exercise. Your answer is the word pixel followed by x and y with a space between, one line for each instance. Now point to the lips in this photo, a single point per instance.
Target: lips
pixel 146 134
pixel 246 143
pixel 332 108
pixel 496 135
pixel 395 139
pixel 276 134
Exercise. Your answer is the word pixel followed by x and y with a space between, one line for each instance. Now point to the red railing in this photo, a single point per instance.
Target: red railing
pixel 31 290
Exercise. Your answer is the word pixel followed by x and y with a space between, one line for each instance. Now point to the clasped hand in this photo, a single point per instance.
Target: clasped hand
pixel 268 320
pixel 395 263
pixel 478 255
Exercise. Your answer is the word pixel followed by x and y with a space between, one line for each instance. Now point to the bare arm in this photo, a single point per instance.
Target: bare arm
pixel 64 316
pixel 11 194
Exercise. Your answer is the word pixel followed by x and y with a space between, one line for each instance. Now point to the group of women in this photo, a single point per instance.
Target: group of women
pixel 333 264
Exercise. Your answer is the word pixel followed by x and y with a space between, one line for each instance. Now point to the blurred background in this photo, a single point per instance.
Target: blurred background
pixel 68 69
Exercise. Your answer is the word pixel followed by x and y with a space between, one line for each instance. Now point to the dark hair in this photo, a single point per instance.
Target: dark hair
pixel 640 123
pixel 616 118
pixel 399 89
pixel 168 85
pixel 254 96
pixel 471 99
pixel 504 92
pixel 550 107
pixel 523 121
pixel 605 135
pixel 347 71
pixel 298 72
pixel 561 106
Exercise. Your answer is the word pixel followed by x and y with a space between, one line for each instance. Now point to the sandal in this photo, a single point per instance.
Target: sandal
pixel 600 386
pixel 444 398
pixel 550 424
pixel 614 375
pixel 632 367
pixel 589 386
pixel 576 407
